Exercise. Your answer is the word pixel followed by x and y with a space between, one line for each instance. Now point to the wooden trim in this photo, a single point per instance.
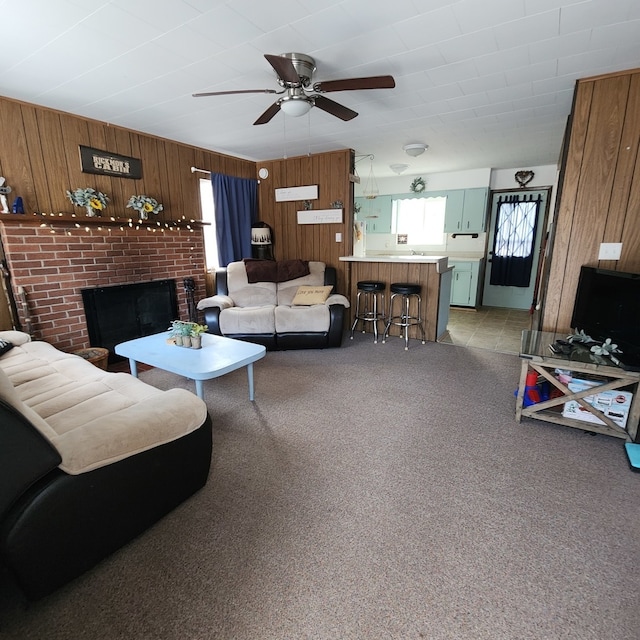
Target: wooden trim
pixel 604 76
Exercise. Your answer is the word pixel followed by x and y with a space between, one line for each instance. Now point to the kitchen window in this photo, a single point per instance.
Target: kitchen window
pixel 421 219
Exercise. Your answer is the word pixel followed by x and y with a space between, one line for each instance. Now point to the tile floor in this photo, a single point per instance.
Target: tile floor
pixel 491 328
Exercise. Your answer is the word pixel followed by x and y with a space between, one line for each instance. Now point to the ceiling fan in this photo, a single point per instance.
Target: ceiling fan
pixel 295 72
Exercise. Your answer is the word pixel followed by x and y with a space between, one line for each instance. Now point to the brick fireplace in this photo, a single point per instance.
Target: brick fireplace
pixel 54 259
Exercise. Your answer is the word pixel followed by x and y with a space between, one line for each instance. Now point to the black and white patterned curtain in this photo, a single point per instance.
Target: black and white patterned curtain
pixel 514 240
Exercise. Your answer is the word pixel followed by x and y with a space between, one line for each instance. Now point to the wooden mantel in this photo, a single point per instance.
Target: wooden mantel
pixel 67 220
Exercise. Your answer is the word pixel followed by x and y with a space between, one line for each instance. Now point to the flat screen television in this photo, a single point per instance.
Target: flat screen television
pixel 607 305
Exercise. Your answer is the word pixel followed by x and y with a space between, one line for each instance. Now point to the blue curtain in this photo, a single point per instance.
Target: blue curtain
pixel 235 201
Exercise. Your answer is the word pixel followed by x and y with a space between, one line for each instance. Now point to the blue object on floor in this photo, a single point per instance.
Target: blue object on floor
pixel 633 452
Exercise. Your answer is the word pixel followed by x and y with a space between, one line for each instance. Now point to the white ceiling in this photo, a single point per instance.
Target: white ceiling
pixel 485 83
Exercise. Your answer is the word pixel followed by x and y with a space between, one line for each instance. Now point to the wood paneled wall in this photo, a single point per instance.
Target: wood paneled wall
pixel 40 160
pixel 330 171
pixel 599 199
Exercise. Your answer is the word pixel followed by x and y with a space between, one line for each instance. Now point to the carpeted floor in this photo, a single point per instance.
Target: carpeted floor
pixel 373 493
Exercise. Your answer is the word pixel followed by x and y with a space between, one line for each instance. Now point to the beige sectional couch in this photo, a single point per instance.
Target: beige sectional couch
pixel 99 432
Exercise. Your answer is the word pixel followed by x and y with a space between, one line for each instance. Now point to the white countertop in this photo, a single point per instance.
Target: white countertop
pixel 469 257
pixel 440 261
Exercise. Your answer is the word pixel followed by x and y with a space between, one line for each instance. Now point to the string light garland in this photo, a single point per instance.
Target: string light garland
pixel 97 224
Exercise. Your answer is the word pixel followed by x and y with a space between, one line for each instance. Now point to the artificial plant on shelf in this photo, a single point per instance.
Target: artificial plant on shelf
pixel 93 201
pixel 580 337
pixel 144 205
pixel 607 348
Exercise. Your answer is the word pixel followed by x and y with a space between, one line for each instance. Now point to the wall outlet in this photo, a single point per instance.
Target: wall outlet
pixel 338 237
pixel 610 251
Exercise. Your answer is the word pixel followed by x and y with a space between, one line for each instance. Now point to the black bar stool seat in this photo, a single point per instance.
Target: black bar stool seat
pixel 406 290
pixel 373 292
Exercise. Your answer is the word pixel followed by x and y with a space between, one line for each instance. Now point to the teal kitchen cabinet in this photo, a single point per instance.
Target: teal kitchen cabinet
pixel 376 212
pixel 464 283
pixel 466 211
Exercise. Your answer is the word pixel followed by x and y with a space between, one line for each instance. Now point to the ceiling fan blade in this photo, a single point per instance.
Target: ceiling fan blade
pixel 335 109
pixel 268 114
pixel 284 68
pixel 229 93
pixel 355 84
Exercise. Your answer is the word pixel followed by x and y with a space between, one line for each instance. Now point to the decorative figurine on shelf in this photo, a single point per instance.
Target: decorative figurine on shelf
pixel 5 190
pixel 93 201
pixel 144 205
pixel 18 206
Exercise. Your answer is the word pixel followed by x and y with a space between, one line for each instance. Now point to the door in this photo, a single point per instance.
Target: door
pixel 515 297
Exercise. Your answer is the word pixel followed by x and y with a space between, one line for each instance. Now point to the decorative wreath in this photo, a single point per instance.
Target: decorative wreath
pixel 418 185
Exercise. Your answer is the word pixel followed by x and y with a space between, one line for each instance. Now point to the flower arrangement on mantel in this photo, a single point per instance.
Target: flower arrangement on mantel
pixel 144 205
pixel 93 201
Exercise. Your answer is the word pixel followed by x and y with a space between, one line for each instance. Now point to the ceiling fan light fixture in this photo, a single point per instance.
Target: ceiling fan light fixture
pixel 296 106
pixel 398 168
pixel 415 149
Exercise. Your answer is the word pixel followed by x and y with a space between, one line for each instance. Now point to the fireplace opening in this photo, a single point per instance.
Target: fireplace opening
pixel 126 311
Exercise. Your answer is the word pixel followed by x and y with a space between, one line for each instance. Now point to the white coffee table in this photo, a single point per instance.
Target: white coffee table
pixel 217 356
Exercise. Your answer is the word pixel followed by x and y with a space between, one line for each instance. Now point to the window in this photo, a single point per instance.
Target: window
pixel 209 230
pixel 515 234
pixel 422 219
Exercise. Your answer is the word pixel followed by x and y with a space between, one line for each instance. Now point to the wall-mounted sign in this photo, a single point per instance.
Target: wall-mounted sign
pixel 109 164
pixel 287 194
pixel 320 216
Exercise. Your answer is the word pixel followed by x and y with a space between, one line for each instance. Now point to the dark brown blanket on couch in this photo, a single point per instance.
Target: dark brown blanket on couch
pixel 275 270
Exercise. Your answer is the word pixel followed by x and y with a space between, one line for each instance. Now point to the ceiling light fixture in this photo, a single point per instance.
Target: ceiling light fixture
pixel 296 105
pixel 415 149
pixel 398 168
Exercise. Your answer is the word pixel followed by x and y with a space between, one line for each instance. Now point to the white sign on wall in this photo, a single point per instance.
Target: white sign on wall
pixel 320 216
pixel 288 194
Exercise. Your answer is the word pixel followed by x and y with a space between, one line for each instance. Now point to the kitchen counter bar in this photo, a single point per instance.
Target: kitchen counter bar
pixel 440 261
pixel 431 272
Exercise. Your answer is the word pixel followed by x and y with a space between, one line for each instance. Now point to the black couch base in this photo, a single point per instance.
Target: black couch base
pixel 64 524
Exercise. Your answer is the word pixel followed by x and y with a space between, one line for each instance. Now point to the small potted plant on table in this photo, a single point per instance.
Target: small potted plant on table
pixel 178 331
pixel 187 334
pixel 196 334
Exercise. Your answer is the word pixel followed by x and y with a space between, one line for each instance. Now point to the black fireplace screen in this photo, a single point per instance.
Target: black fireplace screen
pixel 123 312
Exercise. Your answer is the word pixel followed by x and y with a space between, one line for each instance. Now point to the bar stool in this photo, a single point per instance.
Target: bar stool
pixel 372 290
pixel 407 290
